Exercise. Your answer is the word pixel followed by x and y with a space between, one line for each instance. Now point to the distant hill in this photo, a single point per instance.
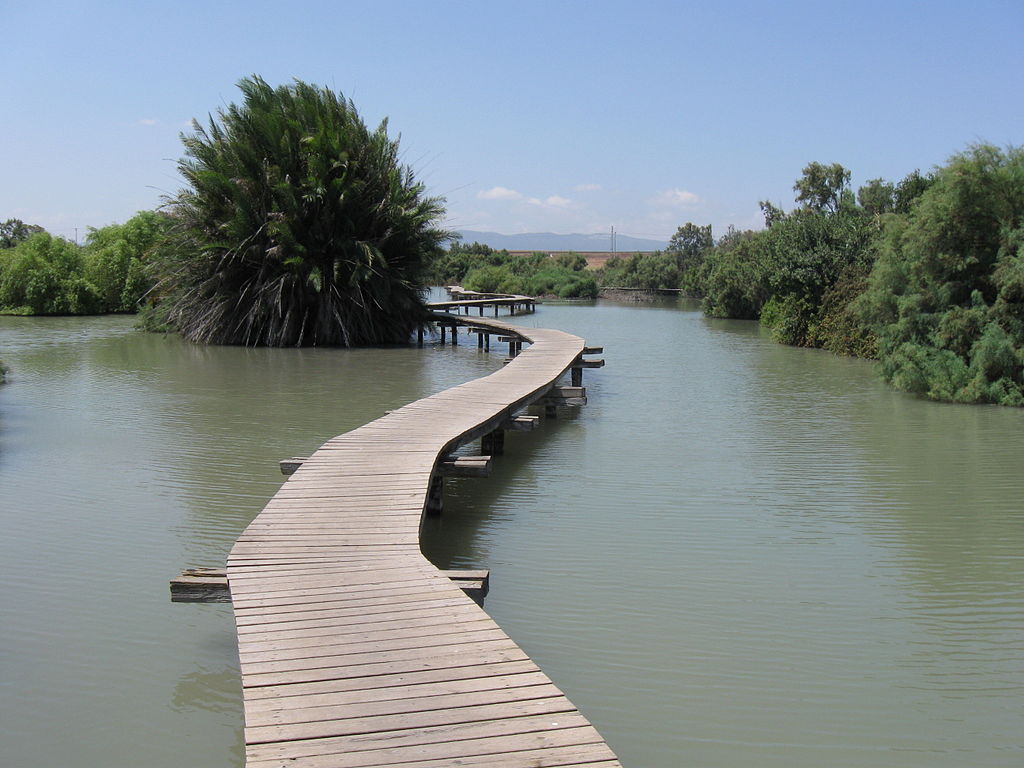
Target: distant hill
pixel 548 241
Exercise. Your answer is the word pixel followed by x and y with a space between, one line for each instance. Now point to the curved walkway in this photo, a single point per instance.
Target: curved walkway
pixel 355 650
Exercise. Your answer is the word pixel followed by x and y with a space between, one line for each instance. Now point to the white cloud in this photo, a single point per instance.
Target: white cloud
pixel 147 121
pixel 554 201
pixel 676 198
pixel 499 193
pixel 587 187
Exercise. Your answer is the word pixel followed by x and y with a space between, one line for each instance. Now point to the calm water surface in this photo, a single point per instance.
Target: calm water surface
pixel 737 554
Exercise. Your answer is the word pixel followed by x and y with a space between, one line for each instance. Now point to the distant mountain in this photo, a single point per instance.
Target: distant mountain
pixel 548 241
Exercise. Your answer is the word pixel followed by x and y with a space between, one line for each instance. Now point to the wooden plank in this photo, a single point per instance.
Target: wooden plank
pixel 264 711
pixel 379 720
pixel 388 682
pixel 453 741
pixel 386 665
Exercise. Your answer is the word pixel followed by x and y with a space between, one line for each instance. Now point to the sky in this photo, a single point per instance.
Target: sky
pixel 568 117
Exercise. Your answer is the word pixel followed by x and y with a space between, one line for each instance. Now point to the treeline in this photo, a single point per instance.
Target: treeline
pixel 925 274
pixel 479 267
pixel 41 274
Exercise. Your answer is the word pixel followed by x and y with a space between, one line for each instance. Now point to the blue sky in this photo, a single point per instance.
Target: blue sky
pixel 527 116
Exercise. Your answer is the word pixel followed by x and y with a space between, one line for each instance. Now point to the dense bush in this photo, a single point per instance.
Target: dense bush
pixel 451 266
pixel 946 297
pixel 479 267
pixel 679 266
pixel 796 275
pixel 117 259
pixel 46 275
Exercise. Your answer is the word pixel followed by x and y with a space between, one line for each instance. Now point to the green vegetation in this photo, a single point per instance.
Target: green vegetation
pixel 299 226
pixel 680 266
pixel 45 275
pixel 946 295
pixel 481 268
pixel 927 274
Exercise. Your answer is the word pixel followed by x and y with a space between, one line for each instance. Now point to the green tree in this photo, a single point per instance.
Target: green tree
pixel 45 275
pixel 690 243
pixel 14 231
pixel 821 187
pixel 876 197
pixel 117 257
pixel 946 296
pixel 298 226
pixel 909 190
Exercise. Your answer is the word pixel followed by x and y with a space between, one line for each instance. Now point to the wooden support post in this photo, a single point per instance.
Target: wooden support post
pixel 487 342
pixel 493 443
pixel 419 336
pixel 435 496
pixel 577 376
pixel 479 340
pixel 495 309
pixel 550 411
pixel 481 308
pixel 443 332
pixel 455 336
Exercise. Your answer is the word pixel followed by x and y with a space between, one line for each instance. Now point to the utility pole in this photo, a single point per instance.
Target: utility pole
pixel 613 239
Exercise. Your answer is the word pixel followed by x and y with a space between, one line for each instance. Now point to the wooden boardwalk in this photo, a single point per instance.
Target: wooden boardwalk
pixel 355 650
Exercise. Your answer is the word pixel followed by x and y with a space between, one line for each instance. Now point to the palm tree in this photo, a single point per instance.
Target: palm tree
pixel 299 226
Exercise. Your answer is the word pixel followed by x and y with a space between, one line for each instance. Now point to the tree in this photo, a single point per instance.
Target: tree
pixel 772 213
pixel 876 197
pixel 910 189
pixel 44 275
pixel 690 243
pixel 117 257
pixel 298 226
pixel 14 231
pixel 821 187
pixel 946 296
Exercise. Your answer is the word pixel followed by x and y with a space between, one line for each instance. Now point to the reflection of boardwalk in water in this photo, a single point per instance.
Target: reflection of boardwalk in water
pixel 355 650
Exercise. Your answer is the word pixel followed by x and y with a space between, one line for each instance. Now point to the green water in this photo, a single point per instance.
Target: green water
pixel 736 554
